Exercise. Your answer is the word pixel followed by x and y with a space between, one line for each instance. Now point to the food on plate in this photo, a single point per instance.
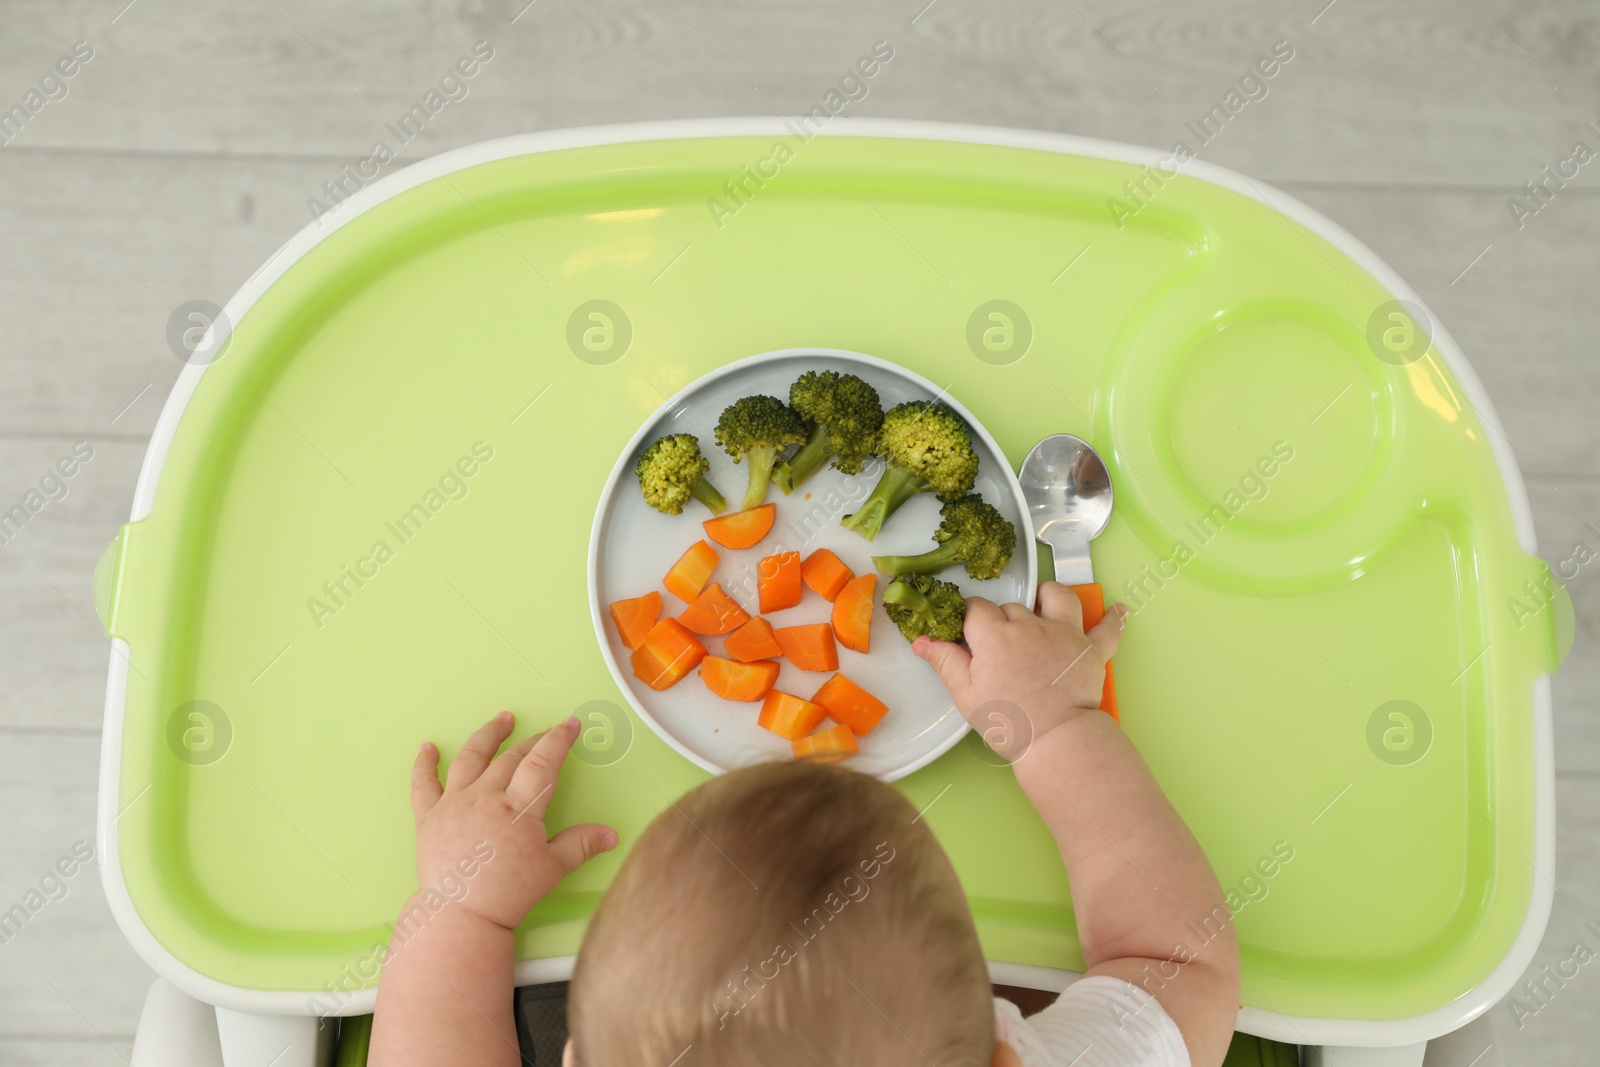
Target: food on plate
pixel 756 430
pixel 778 581
pixel 713 612
pixel 689 575
pixel 752 641
pixel 922 604
pixel 809 647
pixel 825 573
pixel 732 680
pixel 852 613
pixel 850 705
pixel 926 449
pixel 667 653
pixel 826 746
pixel 832 420
pixel 789 716
pixel 742 529
pixel 842 413
pixel 971 531
pixel 672 471
pixel 634 617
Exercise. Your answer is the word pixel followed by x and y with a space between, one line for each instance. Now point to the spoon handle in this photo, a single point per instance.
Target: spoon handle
pixel 1094 609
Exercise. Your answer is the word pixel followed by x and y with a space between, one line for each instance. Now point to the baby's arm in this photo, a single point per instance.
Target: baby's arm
pixel 483 861
pixel 1141 886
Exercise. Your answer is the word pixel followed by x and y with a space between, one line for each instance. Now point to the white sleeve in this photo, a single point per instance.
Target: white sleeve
pixel 1098 1022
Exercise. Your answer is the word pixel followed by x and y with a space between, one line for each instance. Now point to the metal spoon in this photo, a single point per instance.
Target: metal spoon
pixel 1069 502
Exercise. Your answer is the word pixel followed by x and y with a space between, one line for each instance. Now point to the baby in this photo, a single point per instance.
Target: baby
pixel 793 913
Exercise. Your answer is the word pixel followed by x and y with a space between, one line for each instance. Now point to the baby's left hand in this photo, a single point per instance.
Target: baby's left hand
pixel 490 815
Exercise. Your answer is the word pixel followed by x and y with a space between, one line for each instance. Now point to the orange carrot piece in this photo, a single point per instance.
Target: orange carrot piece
pixel 778 577
pixel 809 647
pixel 850 705
pixel 634 617
pixel 852 613
pixel 732 680
pixel 826 746
pixel 742 529
pixel 689 575
pixel 668 653
pixel 825 573
pixel 714 612
pixel 789 716
pixel 752 641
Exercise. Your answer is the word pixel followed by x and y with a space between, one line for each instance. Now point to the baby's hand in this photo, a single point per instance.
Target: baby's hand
pixel 1043 664
pixel 490 816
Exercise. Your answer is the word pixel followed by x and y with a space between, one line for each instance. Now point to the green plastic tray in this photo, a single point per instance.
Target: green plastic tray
pixel 1194 344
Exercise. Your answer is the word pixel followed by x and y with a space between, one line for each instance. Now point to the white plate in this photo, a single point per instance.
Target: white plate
pixel 632 546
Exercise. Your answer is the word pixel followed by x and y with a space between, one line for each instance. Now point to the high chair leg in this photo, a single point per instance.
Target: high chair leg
pixel 1347 1056
pixel 281 1040
pixel 175 1030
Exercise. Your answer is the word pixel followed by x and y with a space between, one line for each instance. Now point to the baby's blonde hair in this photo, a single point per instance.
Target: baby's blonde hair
pixel 786 913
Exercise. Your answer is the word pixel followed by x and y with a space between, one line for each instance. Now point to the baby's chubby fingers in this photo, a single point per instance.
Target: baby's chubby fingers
pixel 949 660
pixel 954 663
pixel 1060 603
pixel 577 845
pixel 536 773
pixel 985 622
pixel 504 766
pixel 477 750
pixel 1106 634
pixel 425 787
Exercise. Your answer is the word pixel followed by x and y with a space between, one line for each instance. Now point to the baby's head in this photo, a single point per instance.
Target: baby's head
pixel 783 913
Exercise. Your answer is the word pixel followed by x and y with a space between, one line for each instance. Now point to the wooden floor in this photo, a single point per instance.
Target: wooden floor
pixel 185 150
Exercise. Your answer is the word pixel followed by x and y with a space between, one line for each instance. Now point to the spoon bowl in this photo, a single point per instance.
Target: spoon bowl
pixel 1069 501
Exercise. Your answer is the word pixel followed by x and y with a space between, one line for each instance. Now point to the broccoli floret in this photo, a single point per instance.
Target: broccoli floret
pixel 672 470
pixel 971 532
pixel 756 430
pixel 928 450
pixel 844 414
pixel 922 604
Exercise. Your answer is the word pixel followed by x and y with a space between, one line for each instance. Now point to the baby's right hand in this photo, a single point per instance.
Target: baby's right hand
pixel 1042 663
